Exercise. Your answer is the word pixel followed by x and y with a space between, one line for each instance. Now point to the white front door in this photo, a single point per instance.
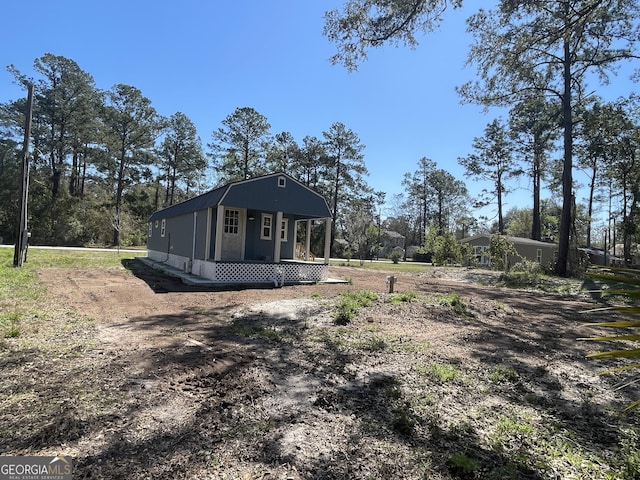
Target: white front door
pixel 233 230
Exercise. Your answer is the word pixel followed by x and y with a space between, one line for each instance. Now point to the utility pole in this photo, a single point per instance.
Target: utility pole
pixel 22 236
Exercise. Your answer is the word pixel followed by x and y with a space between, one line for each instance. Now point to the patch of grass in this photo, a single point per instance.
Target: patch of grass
pixel 402 423
pixel 399 298
pixel 629 456
pixel 407 267
pixel 462 465
pixel 502 374
pixel 375 344
pixel 456 302
pixel 350 303
pixel 444 372
pixel 10 323
pixel 79 259
pixel 258 331
pixel 512 431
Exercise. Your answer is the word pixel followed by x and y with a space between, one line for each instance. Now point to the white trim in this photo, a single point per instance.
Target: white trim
pixel 207 248
pixel 217 254
pixel 263 217
pixel 195 233
pixel 327 240
pixel 284 230
pixel 277 244
pixel 307 240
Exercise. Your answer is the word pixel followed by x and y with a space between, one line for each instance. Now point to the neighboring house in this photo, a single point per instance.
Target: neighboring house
pixel 534 250
pixel 243 232
pixel 600 257
pixel 391 241
pixel 618 252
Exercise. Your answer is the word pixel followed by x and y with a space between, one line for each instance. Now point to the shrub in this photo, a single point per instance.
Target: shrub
pixel 527 266
pixel 500 248
pixel 421 255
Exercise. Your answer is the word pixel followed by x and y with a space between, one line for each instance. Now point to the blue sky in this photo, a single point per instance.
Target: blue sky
pixel 206 58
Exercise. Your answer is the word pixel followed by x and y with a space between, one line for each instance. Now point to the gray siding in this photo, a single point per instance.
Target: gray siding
pixel 201 235
pixel 266 195
pixel 179 231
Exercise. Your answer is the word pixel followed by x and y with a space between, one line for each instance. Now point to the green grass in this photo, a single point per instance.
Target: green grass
pixel 400 298
pixel 20 291
pixel 502 374
pixel 456 302
pixel 461 465
pixel 406 267
pixel 444 372
pixel 350 303
pixel 10 324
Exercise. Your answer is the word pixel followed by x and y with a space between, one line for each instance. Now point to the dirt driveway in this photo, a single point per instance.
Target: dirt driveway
pixel 150 378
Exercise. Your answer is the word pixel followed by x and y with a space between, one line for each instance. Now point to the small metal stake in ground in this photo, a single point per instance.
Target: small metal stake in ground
pixel 391 280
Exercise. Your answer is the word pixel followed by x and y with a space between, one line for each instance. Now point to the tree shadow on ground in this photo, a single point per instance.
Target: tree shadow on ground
pixel 217 389
pixel 537 339
pixel 269 392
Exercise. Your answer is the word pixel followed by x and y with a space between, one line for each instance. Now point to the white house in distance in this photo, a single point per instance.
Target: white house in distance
pixel 243 233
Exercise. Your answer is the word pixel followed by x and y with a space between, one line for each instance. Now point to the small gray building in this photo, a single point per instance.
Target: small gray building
pixel 542 252
pixel 244 232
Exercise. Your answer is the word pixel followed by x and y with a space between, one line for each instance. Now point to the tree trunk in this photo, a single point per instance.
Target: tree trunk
pixel 536 227
pixel 499 198
pixel 336 190
pixel 592 188
pixel 567 176
pixel 119 190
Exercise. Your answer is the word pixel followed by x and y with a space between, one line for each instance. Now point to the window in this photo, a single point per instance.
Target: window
pixel 163 227
pixel 482 254
pixel 156 223
pixel 539 255
pixel 231 221
pixel 284 229
pixel 267 222
pixel 282 182
pixel 150 229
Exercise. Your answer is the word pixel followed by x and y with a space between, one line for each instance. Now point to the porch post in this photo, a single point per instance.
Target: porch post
pixel 277 232
pixel 307 241
pixel 217 254
pixel 207 248
pixel 327 240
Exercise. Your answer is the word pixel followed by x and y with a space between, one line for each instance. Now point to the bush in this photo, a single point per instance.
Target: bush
pixel 395 256
pixel 528 266
pixel 421 255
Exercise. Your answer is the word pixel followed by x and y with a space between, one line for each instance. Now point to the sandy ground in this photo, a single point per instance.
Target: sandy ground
pixel 150 378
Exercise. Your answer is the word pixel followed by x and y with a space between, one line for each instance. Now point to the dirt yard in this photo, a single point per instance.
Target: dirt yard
pixel 136 375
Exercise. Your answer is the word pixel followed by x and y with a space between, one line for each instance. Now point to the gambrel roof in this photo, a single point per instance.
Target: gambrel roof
pixel 264 193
